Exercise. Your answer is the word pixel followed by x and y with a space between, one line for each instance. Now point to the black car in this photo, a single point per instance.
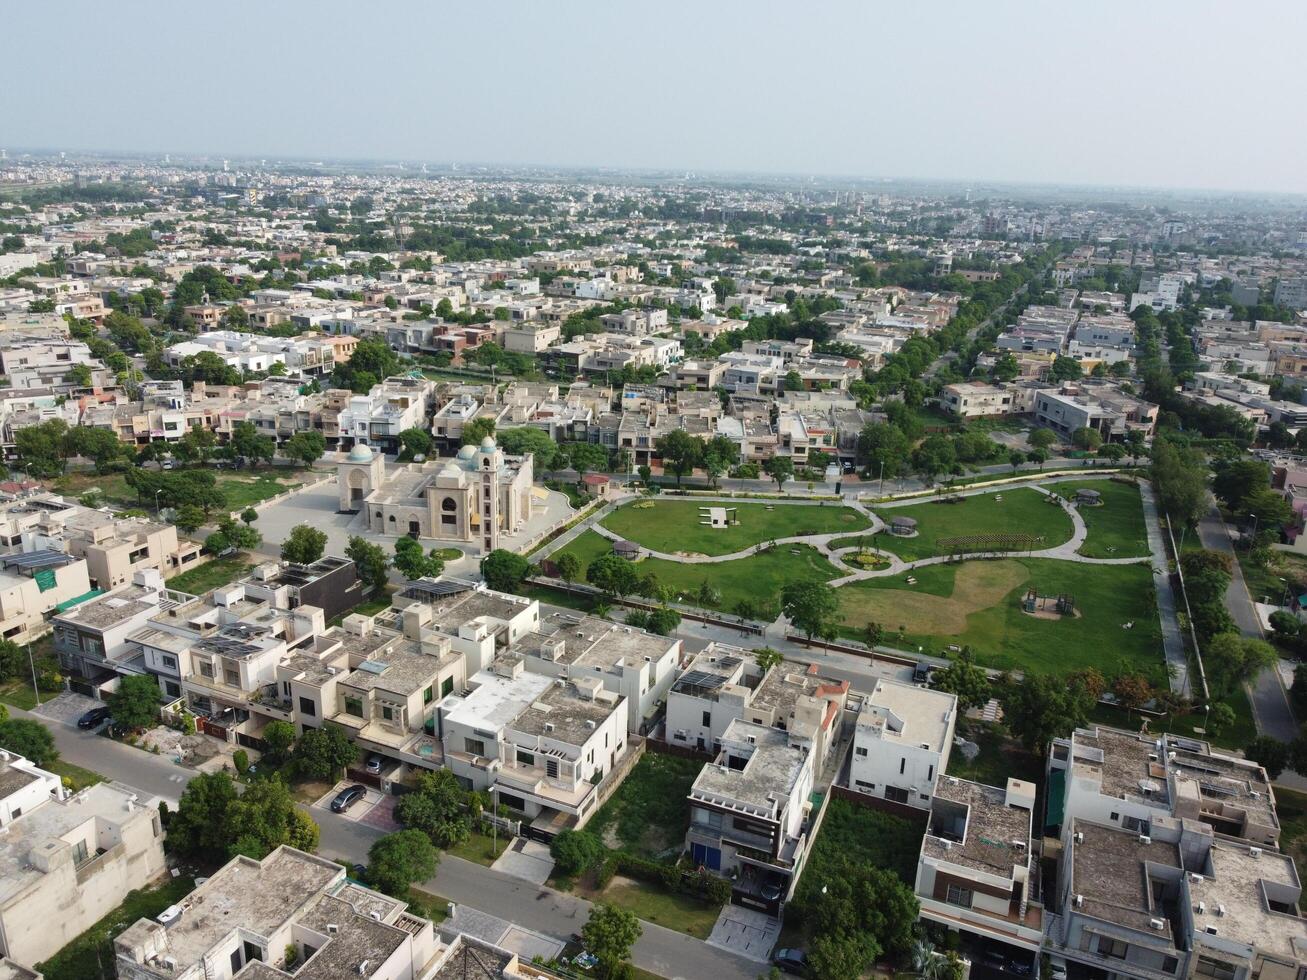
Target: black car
pixel 772 887
pixel 347 797
pixel 94 718
pixel 793 961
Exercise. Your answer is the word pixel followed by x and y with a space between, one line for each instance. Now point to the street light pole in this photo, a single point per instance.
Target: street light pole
pixel 36 690
pixel 156 501
pixel 881 491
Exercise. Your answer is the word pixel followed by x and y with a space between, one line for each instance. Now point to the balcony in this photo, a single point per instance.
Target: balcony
pixel 1025 931
pixel 228 692
pixel 534 780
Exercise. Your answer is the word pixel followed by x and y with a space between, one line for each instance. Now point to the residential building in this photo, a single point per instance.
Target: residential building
pixel 902 741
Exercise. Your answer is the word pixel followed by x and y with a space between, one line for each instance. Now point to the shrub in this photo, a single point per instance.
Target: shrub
pixel 575 851
pixel 241 760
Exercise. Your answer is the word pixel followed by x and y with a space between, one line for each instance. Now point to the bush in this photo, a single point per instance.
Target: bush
pixel 575 851
pixel 241 760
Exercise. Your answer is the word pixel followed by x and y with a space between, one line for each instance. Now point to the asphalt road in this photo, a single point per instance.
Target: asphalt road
pixel 663 951
pixel 1269 701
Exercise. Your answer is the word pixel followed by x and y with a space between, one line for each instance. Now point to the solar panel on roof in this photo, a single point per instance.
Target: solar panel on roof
pixel 441 588
pixel 699 678
pixel 37 559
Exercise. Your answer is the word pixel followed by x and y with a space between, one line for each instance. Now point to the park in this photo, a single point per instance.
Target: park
pixel 1047 576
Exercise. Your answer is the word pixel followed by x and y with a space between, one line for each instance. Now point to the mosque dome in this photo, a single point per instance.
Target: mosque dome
pixel 359 454
pixel 488 444
pixel 467 452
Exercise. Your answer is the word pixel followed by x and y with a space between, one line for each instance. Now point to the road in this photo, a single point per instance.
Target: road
pixel 1270 703
pixel 662 951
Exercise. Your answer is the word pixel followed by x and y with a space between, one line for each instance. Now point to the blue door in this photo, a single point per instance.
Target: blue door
pixel 705 856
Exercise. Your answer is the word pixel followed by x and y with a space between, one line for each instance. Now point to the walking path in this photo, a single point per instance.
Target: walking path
pixel 1172 640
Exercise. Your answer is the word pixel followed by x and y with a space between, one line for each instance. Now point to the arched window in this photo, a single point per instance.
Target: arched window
pixel 392 518
pixel 449 504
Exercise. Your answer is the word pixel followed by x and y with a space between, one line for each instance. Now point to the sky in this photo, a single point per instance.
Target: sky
pixel 1150 93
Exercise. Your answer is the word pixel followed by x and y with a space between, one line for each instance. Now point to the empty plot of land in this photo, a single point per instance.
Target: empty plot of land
pixel 683 526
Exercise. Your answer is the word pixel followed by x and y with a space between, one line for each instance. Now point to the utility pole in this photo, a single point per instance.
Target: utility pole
pixel 36 690
pixel 881 492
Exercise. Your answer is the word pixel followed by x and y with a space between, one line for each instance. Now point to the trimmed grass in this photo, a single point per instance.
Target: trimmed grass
pixel 242 488
pixel 672 526
pixel 480 848
pixel 1021 511
pixel 672 910
pixel 557 597
pixel 79 777
pixel 428 905
pixel 212 574
pixel 1116 529
pixel 650 810
pixel 757 578
pixel 448 554
pixel 978 604
pixel 87 956
pixel 1239 734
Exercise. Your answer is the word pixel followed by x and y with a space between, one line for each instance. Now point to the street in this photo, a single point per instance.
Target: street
pixel 663 951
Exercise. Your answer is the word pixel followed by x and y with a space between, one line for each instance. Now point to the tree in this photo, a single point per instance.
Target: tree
pixel 966 679
pixel 370 561
pixel 398 860
pixel 1038 456
pixel 278 742
pixel 188 518
pixel 199 444
pixel 1086 438
pixel 30 739
pixel 1015 458
pixel 568 565
pixel 1268 510
pixel 1113 452
pixel 412 561
pixel 1219 718
pixel 249 515
pixel 767 658
pixel 246 441
pixel 663 621
pixel 504 571
pixel 1232 660
pixel 40 448
pixel 13 661
pixel 136 702
pixel 1180 476
pixel 646 473
pixel 1043 708
pixel 810 607
pixel 198 827
pixel 232 535
pixel 1237 480
pixel 613 574
pixel 322 753
pixel 521 440
pixel 1065 369
pixel 264 818
pixel 1042 438
pixel 836 956
pixel 609 934
pixel 305 447
pixel 1269 753
pixel 1285 624
pixel 780 469
pixel 1132 691
pixel 438 809
pixel 575 851
pixel 935 455
pixel 719 455
pixel 477 430
pixel 415 442
pixel 304 545
pixel 79 375
pixel 680 452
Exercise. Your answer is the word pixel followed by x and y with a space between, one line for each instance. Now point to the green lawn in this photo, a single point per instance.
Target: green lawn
pixel 243 488
pixel 1116 529
pixel 650 810
pixel 977 603
pixel 1291 808
pixel 651 902
pixel 672 526
pixel 481 848
pixel 557 597
pixel 1019 512
pixel 758 578
pixel 1239 734
pixel 79 777
pixel 89 955
pixel 215 573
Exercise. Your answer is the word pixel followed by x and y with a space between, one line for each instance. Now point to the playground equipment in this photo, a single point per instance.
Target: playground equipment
pixel 1064 603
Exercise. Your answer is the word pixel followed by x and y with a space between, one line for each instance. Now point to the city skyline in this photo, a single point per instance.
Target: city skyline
pixel 962 95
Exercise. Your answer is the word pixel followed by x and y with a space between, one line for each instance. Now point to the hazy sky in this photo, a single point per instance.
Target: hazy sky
pixel 1147 92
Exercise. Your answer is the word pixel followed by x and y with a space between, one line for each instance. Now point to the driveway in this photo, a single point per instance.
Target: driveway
pixel 382 814
pixel 66 708
pixel 371 797
pixel 526 859
pixel 745 932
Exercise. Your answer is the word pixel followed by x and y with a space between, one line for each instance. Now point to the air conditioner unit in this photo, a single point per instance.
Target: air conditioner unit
pixel 1220 910
pixel 1080 901
pixel 1078 837
pixel 1255 851
pixel 1202 908
pixel 1145 839
pixel 1196 878
pixel 1158 924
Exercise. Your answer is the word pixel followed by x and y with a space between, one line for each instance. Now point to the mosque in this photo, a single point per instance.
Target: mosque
pixel 471 498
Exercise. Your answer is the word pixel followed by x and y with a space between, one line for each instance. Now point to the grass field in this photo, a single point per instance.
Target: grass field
pixel 1116 529
pixel 17 690
pixel 242 488
pixel 672 526
pixel 211 575
pixel 758 578
pixel 1021 511
pixel 977 604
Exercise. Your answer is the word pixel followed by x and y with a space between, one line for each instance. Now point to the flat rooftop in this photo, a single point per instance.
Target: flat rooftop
pixel 454 611
pixel 402 669
pixel 1110 871
pixel 116 607
pixel 1129 766
pixel 973 826
pixel 1241 883
pixel 923 716
pixel 764 784
pixel 495 700
pixel 570 716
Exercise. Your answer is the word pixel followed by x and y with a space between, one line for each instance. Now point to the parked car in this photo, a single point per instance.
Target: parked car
pixel 347 797
pixel 94 718
pixel 788 960
pixel 373 764
pixel 772 887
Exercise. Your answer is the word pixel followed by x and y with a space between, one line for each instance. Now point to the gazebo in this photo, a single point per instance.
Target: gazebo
pixel 627 549
pixel 903 525
pixel 1088 498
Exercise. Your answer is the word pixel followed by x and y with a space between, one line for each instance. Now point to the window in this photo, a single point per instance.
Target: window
pixel 1216 969
pixel 235 961
pixel 307 707
pixel 232 677
pixel 551 768
pixel 903 765
pixel 387 712
pixel 428 695
pixel 446 686
pixel 252 952
pixel 1169 964
pixel 474 746
pixel 354 706
pixel 1135 824
pixel 173 689
pixel 930 773
pixel 707 719
pixel 170 662
pixel 957 895
pixel 860 752
pixel 1114 948
pixel 525 758
pixel 206 669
